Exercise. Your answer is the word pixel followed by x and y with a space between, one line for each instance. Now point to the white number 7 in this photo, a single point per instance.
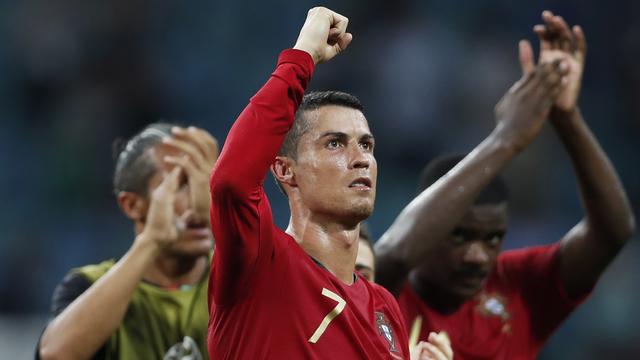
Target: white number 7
pixel 330 316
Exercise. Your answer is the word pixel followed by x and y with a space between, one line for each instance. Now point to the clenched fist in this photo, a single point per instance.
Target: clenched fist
pixel 323 35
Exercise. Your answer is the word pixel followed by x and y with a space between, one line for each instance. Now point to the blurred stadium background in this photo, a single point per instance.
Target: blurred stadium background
pixel 74 75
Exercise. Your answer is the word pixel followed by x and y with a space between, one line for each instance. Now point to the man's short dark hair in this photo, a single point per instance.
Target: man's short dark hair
pixel 134 165
pixel 313 101
pixel 494 193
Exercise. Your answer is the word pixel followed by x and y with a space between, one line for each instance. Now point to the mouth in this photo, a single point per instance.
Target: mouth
pixel 198 229
pixel 473 278
pixel 362 183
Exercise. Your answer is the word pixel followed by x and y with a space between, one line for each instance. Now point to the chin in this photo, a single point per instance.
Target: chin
pixel 360 213
pixel 466 292
pixel 191 248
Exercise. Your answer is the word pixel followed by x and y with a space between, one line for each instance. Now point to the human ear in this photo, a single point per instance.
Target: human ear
pixel 283 171
pixel 133 205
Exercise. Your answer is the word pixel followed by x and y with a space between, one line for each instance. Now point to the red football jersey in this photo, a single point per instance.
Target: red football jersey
pixel 520 306
pixel 268 298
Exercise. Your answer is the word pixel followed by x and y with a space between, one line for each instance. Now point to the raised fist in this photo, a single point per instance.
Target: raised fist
pixel 323 35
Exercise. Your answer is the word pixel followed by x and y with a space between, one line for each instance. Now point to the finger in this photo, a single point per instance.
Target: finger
pixel 434 352
pixel 556 31
pixel 334 35
pixel 339 22
pixel 184 162
pixel 165 192
pixel 441 341
pixel 554 82
pixel 526 57
pixel 205 143
pixel 161 206
pixel 543 37
pixel 565 39
pixel 343 42
pixel 170 181
pixel 581 43
pixel 546 15
pixel 189 149
pixel 528 81
pixel 536 81
pixel 420 352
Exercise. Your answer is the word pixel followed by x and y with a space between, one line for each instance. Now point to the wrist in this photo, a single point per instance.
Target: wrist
pixel 145 246
pixel 505 140
pixel 313 54
pixel 564 120
pixel 560 113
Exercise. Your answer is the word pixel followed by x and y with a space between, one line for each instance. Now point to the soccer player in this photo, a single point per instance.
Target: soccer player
pixel 441 256
pixel 152 303
pixel 294 294
pixel 423 350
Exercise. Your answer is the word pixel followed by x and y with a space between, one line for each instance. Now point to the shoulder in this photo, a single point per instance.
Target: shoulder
pixel 521 266
pixel 526 258
pixel 93 272
pixel 76 282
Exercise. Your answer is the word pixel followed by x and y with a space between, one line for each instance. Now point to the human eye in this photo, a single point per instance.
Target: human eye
pixel 495 240
pixel 367 145
pixel 458 237
pixel 333 144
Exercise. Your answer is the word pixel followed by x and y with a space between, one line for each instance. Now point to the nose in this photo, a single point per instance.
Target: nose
pixel 476 253
pixel 360 159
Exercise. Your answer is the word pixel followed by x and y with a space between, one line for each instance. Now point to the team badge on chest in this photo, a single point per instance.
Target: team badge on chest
pixel 386 331
pixel 495 305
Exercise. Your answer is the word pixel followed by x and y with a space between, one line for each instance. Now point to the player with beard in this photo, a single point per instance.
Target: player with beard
pixel 441 256
pixel 293 294
pixel 152 303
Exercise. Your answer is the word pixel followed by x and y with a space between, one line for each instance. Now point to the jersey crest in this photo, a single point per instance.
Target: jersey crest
pixel 386 331
pixel 493 305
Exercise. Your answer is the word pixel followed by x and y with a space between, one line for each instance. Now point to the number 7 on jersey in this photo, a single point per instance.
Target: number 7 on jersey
pixel 330 316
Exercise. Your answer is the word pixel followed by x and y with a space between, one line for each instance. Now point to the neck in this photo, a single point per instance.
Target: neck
pixel 435 297
pixel 333 244
pixel 171 271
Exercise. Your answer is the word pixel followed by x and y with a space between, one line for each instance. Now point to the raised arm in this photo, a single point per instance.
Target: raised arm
pixel 608 222
pixel 239 206
pixel 431 216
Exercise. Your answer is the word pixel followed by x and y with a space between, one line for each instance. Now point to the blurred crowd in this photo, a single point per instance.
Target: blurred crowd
pixel 76 75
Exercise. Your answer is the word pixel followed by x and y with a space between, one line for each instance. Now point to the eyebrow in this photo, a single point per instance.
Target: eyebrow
pixel 337 134
pixel 341 135
pixel 368 137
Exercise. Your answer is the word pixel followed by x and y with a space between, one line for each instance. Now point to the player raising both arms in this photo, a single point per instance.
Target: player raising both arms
pixel 294 294
pixel 446 241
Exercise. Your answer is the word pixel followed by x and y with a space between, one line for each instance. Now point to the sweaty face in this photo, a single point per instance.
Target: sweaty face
pixel 335 170
pixel 365 261
pixel 194 236
pixel 461 265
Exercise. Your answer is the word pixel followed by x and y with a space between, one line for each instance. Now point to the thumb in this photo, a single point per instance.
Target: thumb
pixel 344 41
pixel 526 57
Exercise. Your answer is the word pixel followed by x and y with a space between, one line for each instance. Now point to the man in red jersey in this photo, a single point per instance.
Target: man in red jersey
pixel 294 295
pixel 441 255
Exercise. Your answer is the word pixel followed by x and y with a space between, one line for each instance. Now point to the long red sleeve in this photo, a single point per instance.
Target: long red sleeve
pixel 242 228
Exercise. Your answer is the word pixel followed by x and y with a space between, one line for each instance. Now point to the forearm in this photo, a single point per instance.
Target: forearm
pixel 607 209
pixel 432 215
pixel 86 324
